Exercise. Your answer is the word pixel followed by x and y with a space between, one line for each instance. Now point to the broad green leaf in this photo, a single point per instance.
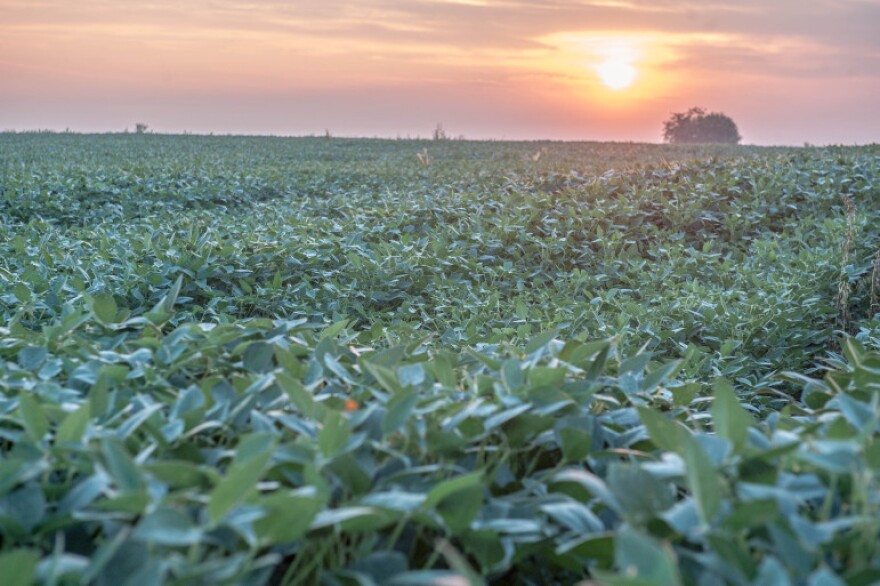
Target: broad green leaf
pixel 664 432
pixel 451 486
pixel 731 420
pixel 104 307
pixel 659 375
pixel 353 519
pixel 540 341
pixel 598 363
pixel 297 393
pixel 181 474
pixel 35 421
pixel 240 480
pixel 639 494
pixel 385 376
pixel 639 557
pixel 288 517
pixel 99 397
pixel 512 374
pixel 258 357
pixel 541 376
pixel 399 409
pixel 18 567
pixel 173 293
pixel 32 357
pixel 634 364
pixel 22 292
pixel 772 573
pixel 334 329
pixel 576 443
pixel 574 516
pixel 121 467
pixel 169 527
pixel 702 479
pixel 460 508
pixel 333 435
pixel 73 425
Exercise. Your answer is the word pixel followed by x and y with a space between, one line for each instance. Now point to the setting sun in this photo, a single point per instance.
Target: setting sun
pixel 616 74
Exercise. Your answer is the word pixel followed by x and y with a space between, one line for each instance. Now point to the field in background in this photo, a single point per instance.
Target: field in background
pixel 252 360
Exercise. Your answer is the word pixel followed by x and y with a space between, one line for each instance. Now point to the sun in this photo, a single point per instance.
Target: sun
pixel 616 73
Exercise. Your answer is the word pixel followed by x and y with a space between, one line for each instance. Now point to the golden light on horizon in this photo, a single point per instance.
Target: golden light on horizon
pixel 612 71
pixel 616 74
pixel 617 71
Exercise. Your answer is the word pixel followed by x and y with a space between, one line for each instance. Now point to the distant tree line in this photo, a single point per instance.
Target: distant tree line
pixel 698 126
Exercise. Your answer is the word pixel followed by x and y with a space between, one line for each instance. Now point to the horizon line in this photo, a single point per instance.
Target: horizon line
pixel 460 138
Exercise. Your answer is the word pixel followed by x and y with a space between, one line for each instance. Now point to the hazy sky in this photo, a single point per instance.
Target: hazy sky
pixel 787 71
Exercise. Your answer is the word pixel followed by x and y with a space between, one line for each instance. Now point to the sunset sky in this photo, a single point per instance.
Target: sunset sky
pixel 787 71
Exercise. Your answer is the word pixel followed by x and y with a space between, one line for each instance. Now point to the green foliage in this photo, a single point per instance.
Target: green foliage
pixel 251 361
pixel 696 126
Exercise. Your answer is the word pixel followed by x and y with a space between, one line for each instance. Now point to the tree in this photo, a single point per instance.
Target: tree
pixel 696 126
pixel 140 128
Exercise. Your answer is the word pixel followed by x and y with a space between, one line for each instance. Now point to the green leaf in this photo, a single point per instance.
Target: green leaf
pixel 429 578
pixel 411 374
pixel 25 506
pixel 731 420
pixel 333 329
pixel 99 397
pixel 512 374
pixel 642 559
pixel 104 308
pixel 598 363
pixel 73 425
pixel 181 474
pixel 35 421
pixel 639 494
pixel 240 481
pixel 540 341
pixel 258 357
pixel 333 435
pixel 702 478
pixel 541 376
pixel 659 375
pixel 384 376
pixel 18 567
pixel 576 443
pixel 32 357
pixel 171 298
pixel 334 366
pixel 574 516
pixel 297 393
pixel 121 467
pixel 683 395
pixel 22 292
pixel 167 527
pixel 664 432
pixel 399 409
pixel 772 573
pixel 460 508
pixel 453 485
pixel 352 519
pixel 288 516
pixel 634 364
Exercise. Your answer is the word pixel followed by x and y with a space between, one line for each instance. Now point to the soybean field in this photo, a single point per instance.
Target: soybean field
pixel 363 362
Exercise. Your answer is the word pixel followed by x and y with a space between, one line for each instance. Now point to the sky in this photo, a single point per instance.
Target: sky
pixel 786 71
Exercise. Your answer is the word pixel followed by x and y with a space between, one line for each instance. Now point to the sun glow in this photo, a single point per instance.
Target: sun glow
pixel 616 71
pixel 616 74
